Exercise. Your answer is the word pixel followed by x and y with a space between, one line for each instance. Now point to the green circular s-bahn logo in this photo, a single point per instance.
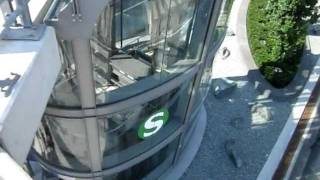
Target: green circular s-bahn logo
pixel 153 124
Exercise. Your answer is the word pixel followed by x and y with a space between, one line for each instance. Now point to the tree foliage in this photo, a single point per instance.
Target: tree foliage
pixel 277 30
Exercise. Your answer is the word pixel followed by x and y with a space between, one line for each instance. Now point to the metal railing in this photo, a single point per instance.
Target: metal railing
pixel 23 29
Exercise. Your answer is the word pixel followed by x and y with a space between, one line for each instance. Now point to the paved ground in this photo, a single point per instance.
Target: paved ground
pixel 254 137
pixel 251 117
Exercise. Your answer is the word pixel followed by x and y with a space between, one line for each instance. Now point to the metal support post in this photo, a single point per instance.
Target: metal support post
pixel 25 15
pixel 82 54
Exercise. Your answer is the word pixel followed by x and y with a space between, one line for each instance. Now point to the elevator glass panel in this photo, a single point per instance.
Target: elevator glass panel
pixel 152 167
pixel 63 142
pixel 120 130
pixel 150 45
pixel 222 23
pixel 66 90
pixel 136 45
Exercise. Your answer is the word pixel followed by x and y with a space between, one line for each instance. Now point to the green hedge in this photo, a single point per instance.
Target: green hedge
pixel 276 32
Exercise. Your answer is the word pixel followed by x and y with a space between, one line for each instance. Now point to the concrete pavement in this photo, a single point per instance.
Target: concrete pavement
pixel 261 112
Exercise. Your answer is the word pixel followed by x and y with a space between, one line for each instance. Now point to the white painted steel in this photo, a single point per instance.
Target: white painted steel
pixel 38 64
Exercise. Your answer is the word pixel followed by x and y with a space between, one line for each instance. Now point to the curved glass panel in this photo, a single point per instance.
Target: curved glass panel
pixel 121 129
pixel 147 43
pixel 151 168
pixel 222 23
pixel 215 42
pixel 136 46
pixel 63 142
pixel 66 90
pixel 118 132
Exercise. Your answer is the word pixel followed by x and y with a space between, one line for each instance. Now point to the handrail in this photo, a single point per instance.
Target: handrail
pixel 24 31
pixel 21 9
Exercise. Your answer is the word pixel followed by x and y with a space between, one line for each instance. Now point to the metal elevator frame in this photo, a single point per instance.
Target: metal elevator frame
pixel 75 23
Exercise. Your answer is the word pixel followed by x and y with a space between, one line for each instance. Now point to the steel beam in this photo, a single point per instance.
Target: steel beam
pixel 84 71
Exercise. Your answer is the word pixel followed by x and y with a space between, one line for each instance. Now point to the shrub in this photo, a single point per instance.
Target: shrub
pixel 277 30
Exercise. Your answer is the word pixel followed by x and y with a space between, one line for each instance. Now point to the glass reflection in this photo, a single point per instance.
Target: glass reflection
pixel 66 89
pixel 136 45
pixel 151 168
pixel 121 129
pixel 222 23
pixel 215 42
pixel 63 141
pixel 147 48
